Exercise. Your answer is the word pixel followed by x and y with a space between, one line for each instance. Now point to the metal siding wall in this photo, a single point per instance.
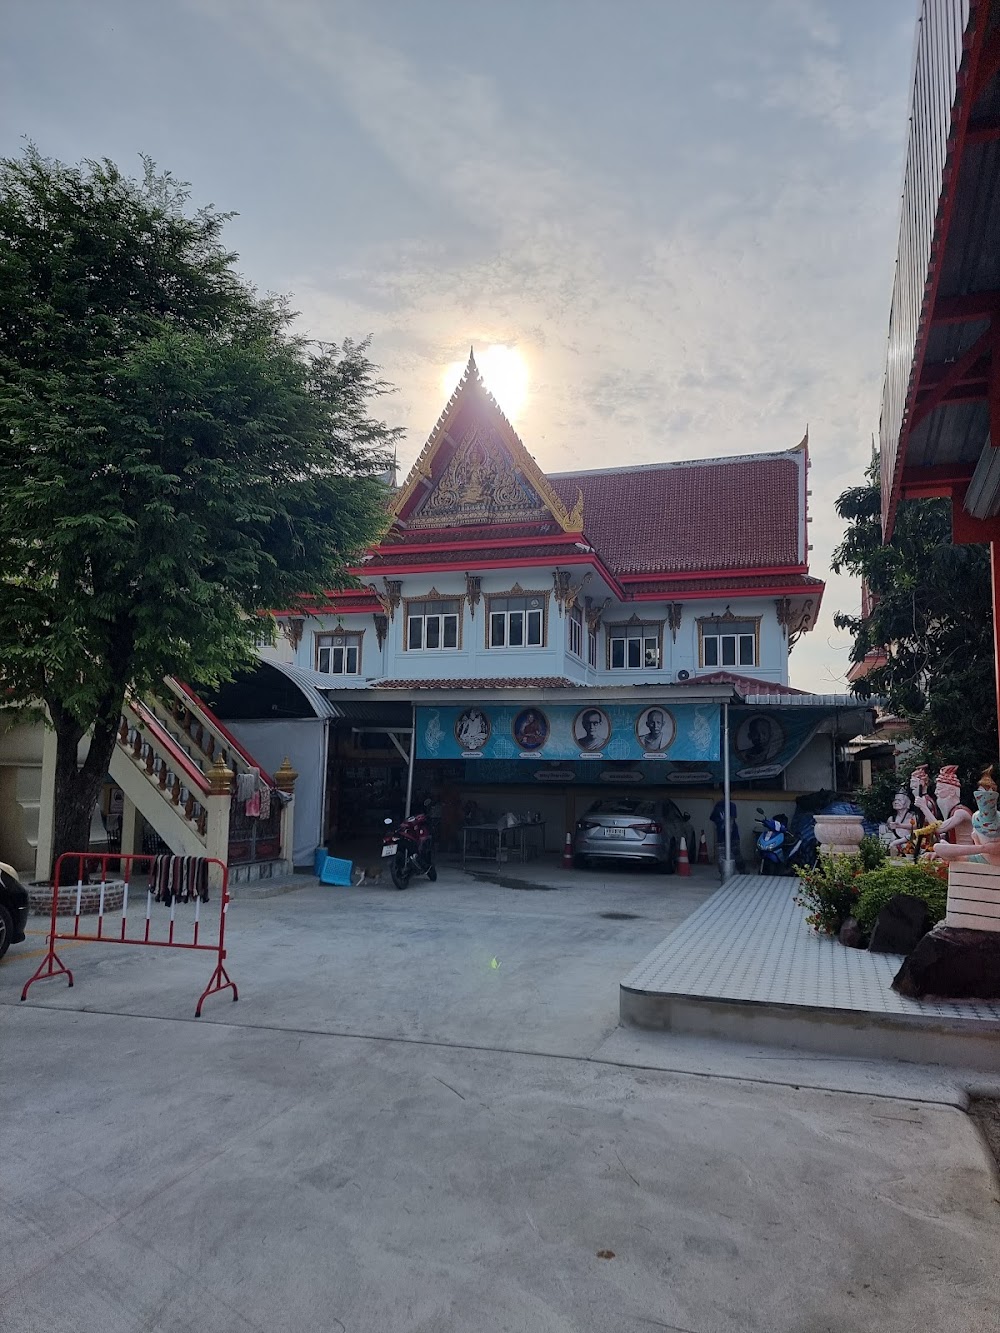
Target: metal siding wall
pixel 938 56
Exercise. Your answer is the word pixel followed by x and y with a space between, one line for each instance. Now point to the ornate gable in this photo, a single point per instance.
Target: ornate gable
pixel 474 471
pixel 479 485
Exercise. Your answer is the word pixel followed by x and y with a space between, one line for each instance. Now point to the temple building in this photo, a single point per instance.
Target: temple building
pixel 523 642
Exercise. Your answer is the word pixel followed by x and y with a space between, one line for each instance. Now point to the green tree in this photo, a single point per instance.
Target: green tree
pixel 931 615
pixel 174 461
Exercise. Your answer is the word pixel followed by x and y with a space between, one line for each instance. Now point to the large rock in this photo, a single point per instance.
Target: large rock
pixel 900 925
pixel 952 963
pixel 852 935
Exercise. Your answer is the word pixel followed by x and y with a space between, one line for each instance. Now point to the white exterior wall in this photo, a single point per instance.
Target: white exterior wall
pixel 474 660
pixel 303 741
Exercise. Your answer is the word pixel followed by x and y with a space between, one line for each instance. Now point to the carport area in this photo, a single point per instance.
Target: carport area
pixel 421 1115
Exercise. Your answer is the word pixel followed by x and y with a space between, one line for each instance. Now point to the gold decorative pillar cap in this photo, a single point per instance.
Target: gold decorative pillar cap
pixel 220 778
pixel 284 778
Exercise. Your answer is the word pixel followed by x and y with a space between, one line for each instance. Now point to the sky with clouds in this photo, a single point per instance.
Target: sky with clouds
pixel 682 214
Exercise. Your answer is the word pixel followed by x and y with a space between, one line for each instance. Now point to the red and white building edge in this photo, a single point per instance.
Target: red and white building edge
pixel 496 584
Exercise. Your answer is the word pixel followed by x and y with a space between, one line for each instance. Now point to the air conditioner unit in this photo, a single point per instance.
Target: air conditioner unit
pixel 684 675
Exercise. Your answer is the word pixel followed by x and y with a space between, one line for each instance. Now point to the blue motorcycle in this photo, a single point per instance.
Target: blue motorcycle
pixel 779 851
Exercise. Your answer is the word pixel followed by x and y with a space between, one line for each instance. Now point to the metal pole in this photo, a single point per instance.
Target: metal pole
pixel 728 868
pixel 413 751
pixel 324 778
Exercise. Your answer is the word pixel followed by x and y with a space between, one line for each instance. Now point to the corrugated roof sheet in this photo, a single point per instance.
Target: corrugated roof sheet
pixel 849 701
pixel 467 683
pixel 311 684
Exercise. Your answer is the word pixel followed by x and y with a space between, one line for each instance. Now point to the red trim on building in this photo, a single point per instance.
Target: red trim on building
pixel 496 532
pixel 733 570
pixel 735 592
pixel 965 96
pixel 449 566
pixel 742 684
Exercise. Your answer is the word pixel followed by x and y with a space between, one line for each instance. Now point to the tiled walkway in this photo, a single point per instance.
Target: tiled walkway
pixel 750 942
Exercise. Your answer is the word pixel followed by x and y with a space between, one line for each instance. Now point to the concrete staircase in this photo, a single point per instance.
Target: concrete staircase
pixel 176 765
pixel 175 762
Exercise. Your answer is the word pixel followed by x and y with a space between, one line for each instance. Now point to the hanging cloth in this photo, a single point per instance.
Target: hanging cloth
pixel 179 879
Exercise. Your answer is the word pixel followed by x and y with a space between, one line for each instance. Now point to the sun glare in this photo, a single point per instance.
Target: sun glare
pixel 504 372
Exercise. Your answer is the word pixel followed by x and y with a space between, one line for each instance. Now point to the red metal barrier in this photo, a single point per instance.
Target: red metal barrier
pixel 53 966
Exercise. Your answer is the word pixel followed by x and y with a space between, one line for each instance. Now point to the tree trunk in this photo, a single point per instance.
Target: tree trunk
pixel 78 786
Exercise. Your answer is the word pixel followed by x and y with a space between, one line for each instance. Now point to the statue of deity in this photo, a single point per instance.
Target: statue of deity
pixel 985 844
pixel 901 825
pixel 953 816
pixel 920 786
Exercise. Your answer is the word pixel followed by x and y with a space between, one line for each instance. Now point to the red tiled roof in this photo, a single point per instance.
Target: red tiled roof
pixel 719 514
pixel 733 583
pixel 743 684
pixel 515 683
pixel 870 662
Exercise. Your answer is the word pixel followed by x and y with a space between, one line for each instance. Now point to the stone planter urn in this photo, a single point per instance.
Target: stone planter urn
pixel 839 835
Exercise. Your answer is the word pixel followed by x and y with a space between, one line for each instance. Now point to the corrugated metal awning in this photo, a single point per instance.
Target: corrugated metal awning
pixel 850 701
pixel 308 684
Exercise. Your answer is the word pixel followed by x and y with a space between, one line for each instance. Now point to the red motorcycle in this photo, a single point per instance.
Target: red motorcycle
pixel 411 847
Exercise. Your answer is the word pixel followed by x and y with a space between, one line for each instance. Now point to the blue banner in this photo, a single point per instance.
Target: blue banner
pixel 591 732
pixel 763 741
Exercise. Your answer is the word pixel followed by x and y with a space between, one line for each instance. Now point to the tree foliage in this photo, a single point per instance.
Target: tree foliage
pixel 174 460
pixel 931 615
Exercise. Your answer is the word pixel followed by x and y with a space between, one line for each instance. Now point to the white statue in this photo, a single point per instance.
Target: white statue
pixel 985 844
pixel 901 825
pixel 953 822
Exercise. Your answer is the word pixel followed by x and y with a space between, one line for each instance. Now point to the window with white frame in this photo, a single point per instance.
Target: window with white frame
pixel 339 654
pixel 517 622
pixel 433 624
pixel 592 647
pixel 634 647
pixel 728 643
pixel 576 632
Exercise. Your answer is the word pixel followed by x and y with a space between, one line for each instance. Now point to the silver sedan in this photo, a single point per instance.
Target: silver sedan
pixel 624 828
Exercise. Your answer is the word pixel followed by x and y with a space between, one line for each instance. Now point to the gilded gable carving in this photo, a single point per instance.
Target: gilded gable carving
pixel 479 485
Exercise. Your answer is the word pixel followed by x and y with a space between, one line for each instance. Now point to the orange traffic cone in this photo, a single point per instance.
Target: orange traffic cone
pixel 683 864
pixel 568 853
pixel 703 850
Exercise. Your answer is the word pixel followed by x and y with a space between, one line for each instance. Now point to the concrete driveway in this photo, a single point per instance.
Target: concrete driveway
pixel 421 1116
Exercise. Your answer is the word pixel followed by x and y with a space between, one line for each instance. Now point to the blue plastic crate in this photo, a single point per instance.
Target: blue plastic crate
pixel 336 871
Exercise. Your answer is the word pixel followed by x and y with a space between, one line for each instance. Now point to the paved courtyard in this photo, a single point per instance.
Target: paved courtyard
pixel 421 1115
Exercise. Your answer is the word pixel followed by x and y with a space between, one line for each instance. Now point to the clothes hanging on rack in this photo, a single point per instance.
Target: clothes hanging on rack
pixel 254 794
pixel 179 878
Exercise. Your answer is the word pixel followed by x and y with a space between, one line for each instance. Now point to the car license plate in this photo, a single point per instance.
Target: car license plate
pixel 389 849
pixel 614 833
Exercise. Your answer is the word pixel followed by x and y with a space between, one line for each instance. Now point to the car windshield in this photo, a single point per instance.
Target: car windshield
pixel 671 811
pixel 623 807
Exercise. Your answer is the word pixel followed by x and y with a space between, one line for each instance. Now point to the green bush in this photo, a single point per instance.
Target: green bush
pixel 873 853
pixel 829 890
pixel 920 881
